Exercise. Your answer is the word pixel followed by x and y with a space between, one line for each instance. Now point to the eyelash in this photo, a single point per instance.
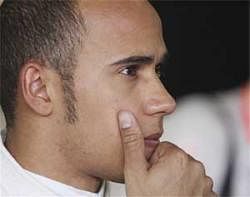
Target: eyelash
pixel 158 70
pixel 132 68
pixel 135 68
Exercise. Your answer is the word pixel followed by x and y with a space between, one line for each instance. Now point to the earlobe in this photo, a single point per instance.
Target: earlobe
pixel 34 88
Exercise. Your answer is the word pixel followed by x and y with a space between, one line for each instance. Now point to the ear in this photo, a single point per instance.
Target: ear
pixel 34 88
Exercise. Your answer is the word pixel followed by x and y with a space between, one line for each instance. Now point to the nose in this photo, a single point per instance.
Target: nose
pixel 159 101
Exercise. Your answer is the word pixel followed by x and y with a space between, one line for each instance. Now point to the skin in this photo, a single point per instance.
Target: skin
pixel 84 154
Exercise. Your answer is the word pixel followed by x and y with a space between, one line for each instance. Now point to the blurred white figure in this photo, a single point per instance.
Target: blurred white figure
pixel 215 130
pixel 196 128
pixel 2 120
pixel 236 120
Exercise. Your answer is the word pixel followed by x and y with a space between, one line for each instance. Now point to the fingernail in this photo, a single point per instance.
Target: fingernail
pixel 125 120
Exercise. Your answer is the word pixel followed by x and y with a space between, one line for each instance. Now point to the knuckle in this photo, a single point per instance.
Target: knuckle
pixel 213 194
pixel 172 151
pixel 181 155
pixel 200 167
pixel 169 145
pixel 209 182
pixel 162 150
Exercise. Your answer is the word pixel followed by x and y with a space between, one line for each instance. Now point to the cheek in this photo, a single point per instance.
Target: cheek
pixel 98 107
pixel 98 129
pixel 97 111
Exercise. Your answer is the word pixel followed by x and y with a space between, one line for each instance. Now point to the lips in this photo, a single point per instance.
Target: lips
pixel 155 136
pixel 151 142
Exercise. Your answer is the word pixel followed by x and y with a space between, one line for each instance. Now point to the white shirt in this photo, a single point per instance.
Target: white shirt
pixel 62 189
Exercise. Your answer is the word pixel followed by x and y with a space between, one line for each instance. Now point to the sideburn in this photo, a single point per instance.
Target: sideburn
pixel 69 99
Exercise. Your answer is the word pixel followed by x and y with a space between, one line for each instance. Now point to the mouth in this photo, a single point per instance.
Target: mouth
pixel 151 142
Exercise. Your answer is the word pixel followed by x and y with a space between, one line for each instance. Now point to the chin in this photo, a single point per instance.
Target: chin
pixel 118 179
pixel 115 175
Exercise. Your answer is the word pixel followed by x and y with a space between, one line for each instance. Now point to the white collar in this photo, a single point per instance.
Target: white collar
pixel 63 189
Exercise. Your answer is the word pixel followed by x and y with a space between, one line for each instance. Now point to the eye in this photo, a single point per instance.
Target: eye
pixel 130 70
pixel 158 70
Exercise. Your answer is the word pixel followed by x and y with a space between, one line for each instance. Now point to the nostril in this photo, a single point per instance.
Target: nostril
pixel 157 107
pixel 171 107
pixel 168 108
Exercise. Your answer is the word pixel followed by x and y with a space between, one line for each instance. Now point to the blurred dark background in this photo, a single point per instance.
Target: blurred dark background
pixel 208 44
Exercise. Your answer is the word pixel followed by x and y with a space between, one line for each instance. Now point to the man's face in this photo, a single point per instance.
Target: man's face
pixel 105 84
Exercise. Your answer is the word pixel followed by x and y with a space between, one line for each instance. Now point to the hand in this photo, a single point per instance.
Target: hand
pixel 169 172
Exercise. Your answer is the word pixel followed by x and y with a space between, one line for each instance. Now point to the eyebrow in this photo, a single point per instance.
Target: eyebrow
pixel 142 60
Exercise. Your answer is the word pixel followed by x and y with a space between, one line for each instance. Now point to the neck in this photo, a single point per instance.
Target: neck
pixel 44 155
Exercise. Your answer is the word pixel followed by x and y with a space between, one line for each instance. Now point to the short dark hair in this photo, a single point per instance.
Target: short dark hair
pixel 47 31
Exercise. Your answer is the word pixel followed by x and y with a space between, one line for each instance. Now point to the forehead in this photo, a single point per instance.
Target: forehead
pixel 126 12
pixel 123 25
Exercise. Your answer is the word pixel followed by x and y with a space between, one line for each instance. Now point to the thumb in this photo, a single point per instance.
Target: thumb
pixel 133 143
